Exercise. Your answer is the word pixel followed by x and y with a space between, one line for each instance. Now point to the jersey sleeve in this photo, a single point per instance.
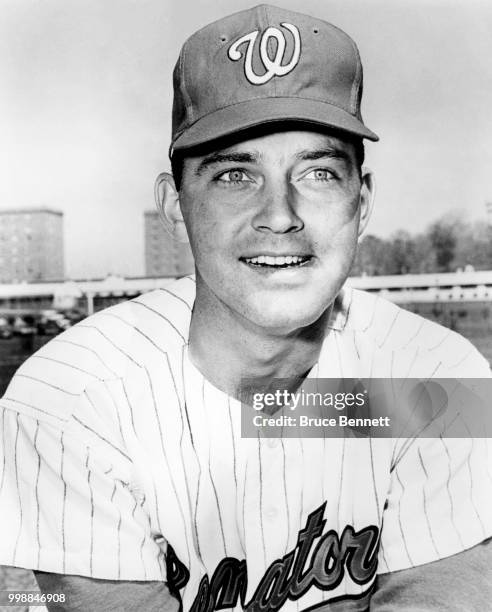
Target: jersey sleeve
pixel 67 505
pixel 440 493
pixel 439 502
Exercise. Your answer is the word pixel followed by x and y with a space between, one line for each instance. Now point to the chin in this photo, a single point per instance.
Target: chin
pixel 285 316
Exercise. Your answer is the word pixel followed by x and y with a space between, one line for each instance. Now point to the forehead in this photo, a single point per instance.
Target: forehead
pixel 279 146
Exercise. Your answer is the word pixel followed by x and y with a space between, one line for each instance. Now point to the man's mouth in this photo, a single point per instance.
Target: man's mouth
pixel 282 261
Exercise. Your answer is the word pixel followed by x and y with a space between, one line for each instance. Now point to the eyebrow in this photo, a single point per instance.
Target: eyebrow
pixel 220 158
pixel 327 152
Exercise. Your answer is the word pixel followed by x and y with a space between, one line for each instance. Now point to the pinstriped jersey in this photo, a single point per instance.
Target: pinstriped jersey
pixel 121 461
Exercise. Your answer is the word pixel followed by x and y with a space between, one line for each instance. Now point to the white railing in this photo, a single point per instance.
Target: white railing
pixel 455 287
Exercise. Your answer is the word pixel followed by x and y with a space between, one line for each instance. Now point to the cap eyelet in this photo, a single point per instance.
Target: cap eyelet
pixel 315 31
pixel 223 38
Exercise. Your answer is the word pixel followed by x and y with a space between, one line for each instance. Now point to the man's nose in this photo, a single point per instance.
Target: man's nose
pixel 276 210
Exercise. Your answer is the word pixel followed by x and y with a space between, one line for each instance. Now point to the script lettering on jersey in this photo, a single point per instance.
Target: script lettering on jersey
pixel 289 578
pixel 273 67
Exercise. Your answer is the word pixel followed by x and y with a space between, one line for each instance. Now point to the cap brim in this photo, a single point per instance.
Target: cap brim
pixel 252 113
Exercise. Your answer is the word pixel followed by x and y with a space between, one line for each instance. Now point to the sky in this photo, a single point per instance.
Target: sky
pixel 86 94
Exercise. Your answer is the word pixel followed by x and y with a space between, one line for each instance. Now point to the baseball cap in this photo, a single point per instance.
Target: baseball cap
pixel 265 65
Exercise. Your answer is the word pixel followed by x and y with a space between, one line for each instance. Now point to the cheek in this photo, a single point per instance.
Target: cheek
pixel 337 226
pixel 211 233
pixel 348 212
pixel 202 227
pixel 344 246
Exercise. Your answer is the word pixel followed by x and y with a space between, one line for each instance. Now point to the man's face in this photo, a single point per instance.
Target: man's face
pixel 273 224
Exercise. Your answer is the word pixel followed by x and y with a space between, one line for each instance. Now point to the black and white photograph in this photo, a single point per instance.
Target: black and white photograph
pixel 227 230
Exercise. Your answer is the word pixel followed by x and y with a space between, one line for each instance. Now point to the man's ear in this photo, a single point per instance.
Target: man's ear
pixel 167 202
pixel 367 194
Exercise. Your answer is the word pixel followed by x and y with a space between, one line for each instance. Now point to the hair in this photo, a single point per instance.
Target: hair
pixel 177 167
pixel 178 158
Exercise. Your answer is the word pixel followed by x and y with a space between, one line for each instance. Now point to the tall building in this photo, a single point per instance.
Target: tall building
pixel 164 256
pixel 31 245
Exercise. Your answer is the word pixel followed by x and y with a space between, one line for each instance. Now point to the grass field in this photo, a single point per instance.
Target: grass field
pixel 472 320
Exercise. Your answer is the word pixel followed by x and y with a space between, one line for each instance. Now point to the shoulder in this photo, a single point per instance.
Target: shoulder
pixel 113 344
pixel 392 329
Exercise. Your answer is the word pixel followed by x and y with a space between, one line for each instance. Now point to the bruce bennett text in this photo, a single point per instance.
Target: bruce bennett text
pixel 340 420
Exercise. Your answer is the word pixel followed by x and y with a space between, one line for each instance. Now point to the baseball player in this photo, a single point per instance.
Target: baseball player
pixel 125 482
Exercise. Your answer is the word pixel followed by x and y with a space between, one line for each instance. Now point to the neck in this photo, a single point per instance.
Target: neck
pixel 227 348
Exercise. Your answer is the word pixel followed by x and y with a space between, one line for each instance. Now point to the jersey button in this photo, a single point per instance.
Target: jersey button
pixel 272 442
pixel 271 512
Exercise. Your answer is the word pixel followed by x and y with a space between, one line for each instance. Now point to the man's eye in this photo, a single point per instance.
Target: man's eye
pixel 233 176
pixel 320 174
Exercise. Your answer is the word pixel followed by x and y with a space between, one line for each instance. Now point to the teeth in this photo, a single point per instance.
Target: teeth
pixel 276 261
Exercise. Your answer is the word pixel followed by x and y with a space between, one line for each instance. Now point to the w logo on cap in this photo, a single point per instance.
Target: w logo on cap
pixel 273 66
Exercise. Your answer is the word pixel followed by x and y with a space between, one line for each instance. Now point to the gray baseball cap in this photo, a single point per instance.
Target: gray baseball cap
pixel 265 65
